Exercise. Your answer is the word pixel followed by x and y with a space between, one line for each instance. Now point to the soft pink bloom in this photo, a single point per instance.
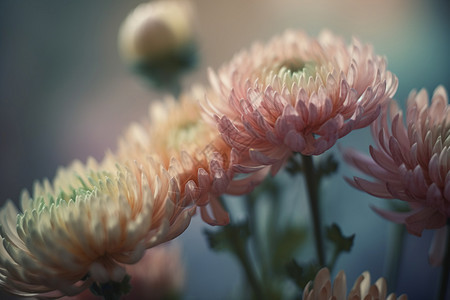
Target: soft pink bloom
pixel 321 289
pixel 192 151
pixel 297 93
pixel 158 275
pixel 411 162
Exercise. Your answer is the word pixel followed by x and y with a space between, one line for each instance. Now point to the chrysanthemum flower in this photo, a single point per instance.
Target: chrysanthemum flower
pixel 362 289
pixel 157 39
pixel 297 93
pixel 156 28
pixel 85 226
pixel 192 151
pixel 411 162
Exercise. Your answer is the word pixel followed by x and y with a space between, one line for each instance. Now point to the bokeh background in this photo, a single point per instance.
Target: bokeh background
pixel 65 94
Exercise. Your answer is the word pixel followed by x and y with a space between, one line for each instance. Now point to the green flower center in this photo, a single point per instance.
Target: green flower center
pixel 183 135
pixel 297 67
pixel 94 180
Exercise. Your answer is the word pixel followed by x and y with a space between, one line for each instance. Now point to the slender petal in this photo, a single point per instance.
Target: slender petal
pixel 297 93
pixel 410 162
pixel 362 288
pixel 193 152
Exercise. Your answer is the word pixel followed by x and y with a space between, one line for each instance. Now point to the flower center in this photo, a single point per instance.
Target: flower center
pixel 293 65
pixel 183 135
pixel 297 68
pixel 84 187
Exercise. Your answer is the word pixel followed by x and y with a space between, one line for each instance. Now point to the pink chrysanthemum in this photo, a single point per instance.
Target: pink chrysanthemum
pixel 84 227
pixel 297 94
pixel 411 162
pixel 192 151
pixel 362 288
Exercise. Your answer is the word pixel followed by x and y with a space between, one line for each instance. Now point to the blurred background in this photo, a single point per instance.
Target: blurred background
pixel 65 94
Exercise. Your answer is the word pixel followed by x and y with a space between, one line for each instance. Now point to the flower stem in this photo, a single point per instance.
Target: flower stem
pixel 241 253
pixel 445 272
pixel 112 290
pixel 312 184
pixel 395 248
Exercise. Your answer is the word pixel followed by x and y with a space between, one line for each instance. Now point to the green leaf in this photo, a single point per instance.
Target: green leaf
pixel 227 238
pixel 112 290
pixel 341 242
pixel 293 166
pixel 327 166
pixel 301 275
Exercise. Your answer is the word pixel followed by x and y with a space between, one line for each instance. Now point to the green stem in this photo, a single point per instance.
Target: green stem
pixel 445 272
pixel 394 254
pixel 312 184
pixel 240 250
pixel 111 290
pixel 111 296
pixel 258 247
pixel 333 260
pixel 251 277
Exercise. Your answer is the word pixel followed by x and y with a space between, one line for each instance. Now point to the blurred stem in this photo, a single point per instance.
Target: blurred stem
pixel 395 248
pixel 333 259
pixel 312 184
pixel 258 247
pixel 244 258
pixel 112 290
pixel 445 272
pixel 111 296
pixel 174 88
pixel 240 250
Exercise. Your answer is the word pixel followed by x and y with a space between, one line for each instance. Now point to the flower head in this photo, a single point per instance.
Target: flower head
pixel 85 226
pixel 157 38
pixel 322 290
pixel 297 93
pixel 192 151
pixel 410 161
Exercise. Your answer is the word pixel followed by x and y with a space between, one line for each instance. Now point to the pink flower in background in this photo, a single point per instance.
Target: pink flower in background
pixel 411 162
pixel 321 289
pixel 160 274
pixel 299 94
pixel 192 151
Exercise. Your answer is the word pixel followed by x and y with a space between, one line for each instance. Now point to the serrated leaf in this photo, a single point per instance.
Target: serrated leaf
pixel 301 275
pixel 341 242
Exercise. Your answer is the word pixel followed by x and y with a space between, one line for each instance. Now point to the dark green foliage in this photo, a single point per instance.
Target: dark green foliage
pixel 342 243
pixel 301 275
pixel 112 290
pixel 227 238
